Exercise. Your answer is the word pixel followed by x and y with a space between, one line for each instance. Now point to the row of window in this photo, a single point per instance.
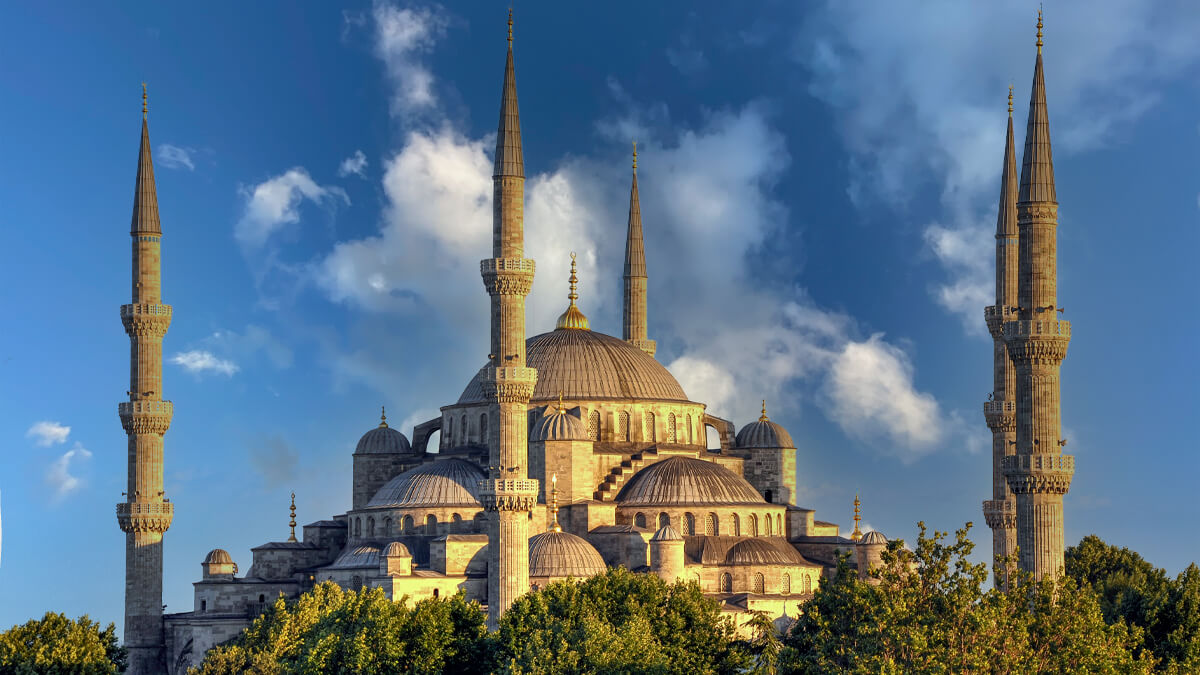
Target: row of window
pixel 459 432
pixel 769 525
pixel 406 525
pixel 455 435
pixel 145 238
pixel 759 583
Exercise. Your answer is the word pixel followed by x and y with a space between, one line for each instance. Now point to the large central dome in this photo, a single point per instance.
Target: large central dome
pixel 585 365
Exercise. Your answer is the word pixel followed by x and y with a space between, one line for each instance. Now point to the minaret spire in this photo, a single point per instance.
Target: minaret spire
pixel 1038 474
pixel 292 522
pixel 508 495
pixel 857 533
pixel 633 324
pixel 146 513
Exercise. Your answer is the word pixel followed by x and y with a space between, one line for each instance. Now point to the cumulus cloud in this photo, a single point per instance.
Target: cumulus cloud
pixel 200 361
pixel 59 476
pixel 356 164
pixel 45 434
pixel 275 202
pixel 274 458
pixel 914 116
pixel 401 37
pixel 175 157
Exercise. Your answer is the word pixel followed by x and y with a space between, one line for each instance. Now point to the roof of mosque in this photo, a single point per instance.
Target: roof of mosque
pixel 557 424
pixel 667 533
pixel 381 440
pixel 873 537
pixel 218 556
pixel 586 365
pixel 562 554
pixel 760 551
pixel 684 480
pixel 444 482
pixel 360 556
pixel 764 433
pixel 396 550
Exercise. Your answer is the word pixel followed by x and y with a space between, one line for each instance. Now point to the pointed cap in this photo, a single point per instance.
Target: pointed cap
pixel 572 318
pixel 635 248
pixel 1006 217
pixel 1037 164
pixel 509 159
pixel 145 197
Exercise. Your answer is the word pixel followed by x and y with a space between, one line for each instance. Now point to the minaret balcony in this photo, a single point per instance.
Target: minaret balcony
pixel 996 316
pixel 1038 341
pixel 1000 513
pixel 508 494
pixel 146 319
pixel 145 516
pixel 146 417
pixel 1000 415
pixel 508 384
pixel 1039 474
pixel 507 276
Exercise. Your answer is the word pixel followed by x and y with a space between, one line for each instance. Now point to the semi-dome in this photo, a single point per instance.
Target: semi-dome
pixel 218 556
pixel 683 481
pixel 359 556
pixel 873 537
pixel 396 550
pixel 444 482
pixel 585 365
pixel 757 551
pixel 382 440
pixel 764 434
pixel 557 424
pixel 562 554
pixel 667 533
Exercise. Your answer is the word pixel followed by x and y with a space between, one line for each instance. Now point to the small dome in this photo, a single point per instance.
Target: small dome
pixel 562 554
pixel 218 556
pixel 396 550
pixel 359 556
pixel 755 551
pixel 667 533
pixel 681 481
pixel 382 440
pixel 558 425
pixel 873 537
pixel 443 482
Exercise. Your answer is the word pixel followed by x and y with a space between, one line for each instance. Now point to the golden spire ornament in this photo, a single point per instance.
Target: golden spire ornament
pixel 572 318
pixel 382 417
pixel 857 533
pixel 554 526
pixel 292 524
pixel 1010 88
pixel 144 106
pixel 1039 27
pixel 510 27
pixel 561 409
pixel 635 156
pixel 763 417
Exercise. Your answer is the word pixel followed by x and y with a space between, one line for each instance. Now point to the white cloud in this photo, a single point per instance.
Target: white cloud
pixel 354 165
pixel 401 36
pixel 175 157
pixel 47 433
pixel 912 114
pixel 200 361
pixel 59 476
pixel 274 203
pixel 687 59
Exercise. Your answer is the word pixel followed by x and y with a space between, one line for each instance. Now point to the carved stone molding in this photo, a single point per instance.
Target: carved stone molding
pixel 146 417
pixel 145 516
pixel 148 320
pixel 1039 474
pixel 1000 514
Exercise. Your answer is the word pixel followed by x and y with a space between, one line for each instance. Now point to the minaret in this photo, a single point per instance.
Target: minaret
pixel 146 513
pixel 633 323
pixel 1000 410
pixel 1038 474
pixel 508 495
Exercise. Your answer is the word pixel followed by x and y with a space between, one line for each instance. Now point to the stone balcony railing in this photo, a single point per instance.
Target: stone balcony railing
pixel 1052 328
pixel 999 407
pixel 129 311
pixel 145 516
pixel 155 407
pixel 494 265
pixel 1043 474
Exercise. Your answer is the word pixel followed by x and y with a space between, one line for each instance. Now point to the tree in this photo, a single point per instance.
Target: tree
pixel 56 644
pixel 328 630
pixel 617 622
pixel 928 610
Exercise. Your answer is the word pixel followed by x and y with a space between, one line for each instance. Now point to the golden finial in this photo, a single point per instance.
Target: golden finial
pixel 554 526
pixel 1010 87
pixel 144 106
pixel 510 26
pixel 560 404
pixel 382 417
pixel 763 417
pixel 1039 33
pixel 572 318
pixel 292 524
pixel 857 533
pixel 635 156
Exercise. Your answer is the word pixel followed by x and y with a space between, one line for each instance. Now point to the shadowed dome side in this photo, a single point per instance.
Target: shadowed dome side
pixel 558 425
pixel 562 554
pixel 396 550
pixel 758 551
pixel 218 556
pixel 683 481
pixel 359 556
pixel 444 482
pixel 382 440
pixel 586 365
pixel 667 533
pixel 764 434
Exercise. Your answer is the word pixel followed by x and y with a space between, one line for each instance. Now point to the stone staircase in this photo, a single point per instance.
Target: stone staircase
pixel 616 478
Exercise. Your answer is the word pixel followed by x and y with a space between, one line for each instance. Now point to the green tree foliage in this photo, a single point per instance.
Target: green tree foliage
pixel 617 622
pixel 930 611
pixel 328 630
pixel 1134 591
pixel 56 644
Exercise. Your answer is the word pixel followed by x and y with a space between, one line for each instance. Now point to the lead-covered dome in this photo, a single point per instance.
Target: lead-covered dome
pixel 396 550
pixel 585 365
pixel 755 551
pixel 873 538
pixel 683 481
pixel 382 440
pixel 218 556
pixel 562 554
pixel 444 482
pixel 764 434
pixel 557 424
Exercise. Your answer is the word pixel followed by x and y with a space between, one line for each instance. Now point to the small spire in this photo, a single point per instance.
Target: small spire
pixel 857 533
pixel 292 524
pixel 763 417
pixel 382 417
pixel 572 318
pixel 635 156
pixel 144 106
pixel 1010 89
pixel 1039 27
pixel 560 403
pixel 554 526
pixel 510 27
pixel 145 198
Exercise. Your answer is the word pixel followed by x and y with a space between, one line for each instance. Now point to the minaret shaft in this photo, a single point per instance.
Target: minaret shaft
pixel 146 514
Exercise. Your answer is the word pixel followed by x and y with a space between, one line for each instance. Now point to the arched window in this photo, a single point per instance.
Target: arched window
pixel 779 524
pixel 408 524
pixel 769 521
pixel 465 430
pixel 355 583
pixel 760 583
pixel 651 432
pixel 689 524
pixel 737 525
pixel 639 520
pixel 753 525
pixel 671 428
pixel 435 592
pixel 623 431
pixel 807 584
pixel 483 437
pixel 767 496
pixel 689 429
pixel 594 425
pixel 663 520
pixel 387 527
pixel 726 583
pixel 456 521
pixel 430 524
pixel 203 605
pixel 358 527
pixel 262 598
pixel 370 526
pixel 710 524
pixel 450 432
pixel 785 584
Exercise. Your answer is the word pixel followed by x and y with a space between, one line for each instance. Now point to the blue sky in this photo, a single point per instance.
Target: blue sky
pixel 818 188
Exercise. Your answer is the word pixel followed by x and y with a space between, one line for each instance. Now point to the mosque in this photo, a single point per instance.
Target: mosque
pixel 567 453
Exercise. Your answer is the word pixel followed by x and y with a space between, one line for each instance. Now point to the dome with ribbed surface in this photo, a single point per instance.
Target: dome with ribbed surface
pixel 873 537
pixel 558 425
pixel 562 554
pixel 359 556
pixel 586 365
pixel 396 550
pixel 755 551
pixel 217 556
pixel 682 481
pixel 382 440
pixel 667 533
pixel 445 482
pixel 764 434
